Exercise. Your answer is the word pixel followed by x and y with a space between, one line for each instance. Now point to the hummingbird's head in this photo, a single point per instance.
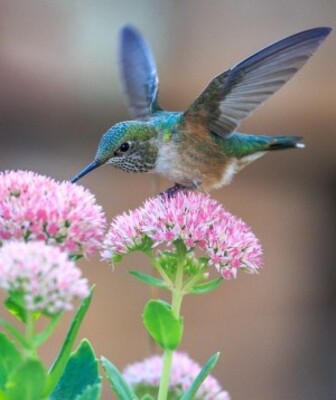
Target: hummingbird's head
pixel 130 146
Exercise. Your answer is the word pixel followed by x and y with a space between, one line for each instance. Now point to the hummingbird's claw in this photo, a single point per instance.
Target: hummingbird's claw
pixel 172 191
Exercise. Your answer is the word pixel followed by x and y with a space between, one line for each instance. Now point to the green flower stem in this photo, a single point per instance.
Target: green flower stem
pixel 164 383
pixel 163 274
pixel 15 332
pixel 177 297
pixel 30 335
pixel 193 281
pixel 177 293
pixel 160 270
pixel 48 331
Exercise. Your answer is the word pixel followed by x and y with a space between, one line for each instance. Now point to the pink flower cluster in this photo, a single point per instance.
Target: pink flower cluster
pixel 35 207
pixel 184 370
pixel 200 221
pixel 42 274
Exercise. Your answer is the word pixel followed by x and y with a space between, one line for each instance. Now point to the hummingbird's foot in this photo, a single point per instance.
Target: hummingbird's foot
pixel 177 188
pixel 172 191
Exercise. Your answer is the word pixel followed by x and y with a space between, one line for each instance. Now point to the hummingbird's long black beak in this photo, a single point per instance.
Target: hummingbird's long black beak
pixel 95 164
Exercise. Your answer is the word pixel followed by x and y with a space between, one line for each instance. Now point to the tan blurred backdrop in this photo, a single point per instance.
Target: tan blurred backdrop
pixel 59 90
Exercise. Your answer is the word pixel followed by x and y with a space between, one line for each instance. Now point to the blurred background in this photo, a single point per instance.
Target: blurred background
pixel 60 91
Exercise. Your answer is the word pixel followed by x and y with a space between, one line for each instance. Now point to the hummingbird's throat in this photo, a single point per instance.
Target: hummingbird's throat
pixel 131 164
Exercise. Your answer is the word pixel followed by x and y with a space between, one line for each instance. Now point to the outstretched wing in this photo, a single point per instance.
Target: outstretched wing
pixel 138 73
pixel 237 92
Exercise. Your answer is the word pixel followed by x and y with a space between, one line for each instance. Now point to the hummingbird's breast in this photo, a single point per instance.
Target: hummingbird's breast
pixel 193 156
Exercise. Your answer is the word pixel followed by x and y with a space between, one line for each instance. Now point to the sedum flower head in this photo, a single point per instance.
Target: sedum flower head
pixel 195 218
pixel 43 275
pixel 35 207
pixel 145 377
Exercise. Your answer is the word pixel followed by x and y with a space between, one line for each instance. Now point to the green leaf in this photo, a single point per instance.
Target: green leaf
pixel 27 381
pixel 191 392
pixel 59 364
pixel 16 309
pixel 120 387
pixel 91 393
pixel 80 374
pixel 15 304
pixel 206 287
pixel 10 358
pixel 15 332
pixel 150 280
pixel 162 325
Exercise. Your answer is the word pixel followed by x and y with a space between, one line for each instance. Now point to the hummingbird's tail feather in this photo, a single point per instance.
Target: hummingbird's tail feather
pixel 285 142
pixel 240 145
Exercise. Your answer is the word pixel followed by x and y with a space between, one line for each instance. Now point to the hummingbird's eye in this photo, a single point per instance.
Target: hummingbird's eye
pixel 124 147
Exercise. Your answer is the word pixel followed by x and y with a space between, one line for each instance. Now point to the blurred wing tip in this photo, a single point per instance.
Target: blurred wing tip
pixel 128 28
pixel 323 30
pixel 128 31
pixel 319 33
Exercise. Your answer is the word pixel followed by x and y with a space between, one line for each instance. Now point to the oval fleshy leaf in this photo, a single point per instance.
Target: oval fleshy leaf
pixel 162 325
pixel 27 381
pixel 90 393
pixel 80 374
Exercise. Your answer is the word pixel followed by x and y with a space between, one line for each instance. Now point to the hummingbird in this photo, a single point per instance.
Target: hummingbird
pixel 200 147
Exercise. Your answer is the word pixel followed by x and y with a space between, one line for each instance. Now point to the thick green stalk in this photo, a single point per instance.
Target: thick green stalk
pixel 164 382
pixel 177 294
pixel 177 297
pixel 30 335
